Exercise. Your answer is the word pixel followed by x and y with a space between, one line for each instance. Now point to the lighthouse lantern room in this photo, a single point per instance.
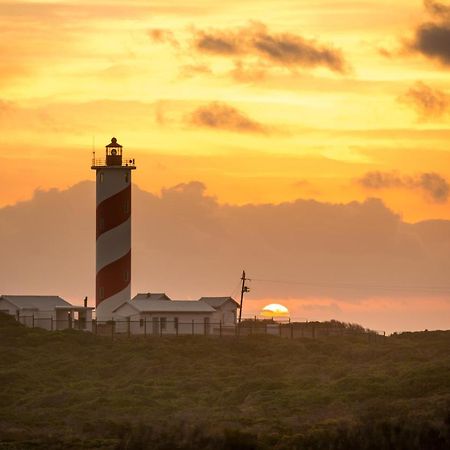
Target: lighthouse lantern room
pixel 113 223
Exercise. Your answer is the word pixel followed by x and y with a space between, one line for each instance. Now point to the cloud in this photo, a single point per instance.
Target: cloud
pixel 219 43
pixel 381 180
pixel 428 102
pixel 435 186
pixel 188 244
pixel 432 39
pixel 281 49
pixel 222 116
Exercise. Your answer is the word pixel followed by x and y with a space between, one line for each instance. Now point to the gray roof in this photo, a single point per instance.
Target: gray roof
pixel 217 302
pixel 180 306
pixel 151 296
pixel 37 302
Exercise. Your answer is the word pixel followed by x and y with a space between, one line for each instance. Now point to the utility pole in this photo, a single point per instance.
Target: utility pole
pixel 244 289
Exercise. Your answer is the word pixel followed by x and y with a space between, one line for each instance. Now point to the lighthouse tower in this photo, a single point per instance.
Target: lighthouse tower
pixel 113 250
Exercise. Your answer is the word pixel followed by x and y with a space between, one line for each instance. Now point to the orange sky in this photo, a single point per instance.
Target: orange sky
pixel 262 100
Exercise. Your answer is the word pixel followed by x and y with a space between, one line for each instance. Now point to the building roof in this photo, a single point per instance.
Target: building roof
pixel 217 302
pixel 178 306
pixel 151 296
pixel 37 302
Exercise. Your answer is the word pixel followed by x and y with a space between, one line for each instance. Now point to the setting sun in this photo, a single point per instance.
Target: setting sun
pixel 275 310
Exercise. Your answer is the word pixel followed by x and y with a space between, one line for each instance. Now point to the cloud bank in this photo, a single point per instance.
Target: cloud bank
pixel 186 243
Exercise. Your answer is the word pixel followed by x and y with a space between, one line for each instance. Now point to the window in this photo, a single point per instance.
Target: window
pixel 163 323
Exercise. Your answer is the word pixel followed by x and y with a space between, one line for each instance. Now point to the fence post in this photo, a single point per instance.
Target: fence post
pixel 220 328
pixel 176 328
pixel 112 329
pixel 145 327
pixel 94 324
pixel 193 327
pixel 51 323
pixel 128 326
pixel 160 327
pixel 33 320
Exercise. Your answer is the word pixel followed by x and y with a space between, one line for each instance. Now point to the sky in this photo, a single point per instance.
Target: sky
pixel 263 102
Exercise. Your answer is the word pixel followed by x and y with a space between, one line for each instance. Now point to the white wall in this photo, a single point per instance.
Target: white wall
pixel 150 323
pixel 226 314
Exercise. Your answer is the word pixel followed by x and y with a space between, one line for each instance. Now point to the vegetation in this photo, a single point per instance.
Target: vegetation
pixel 71 390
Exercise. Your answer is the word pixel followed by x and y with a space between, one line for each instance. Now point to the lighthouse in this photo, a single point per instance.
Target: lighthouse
pixel 113 230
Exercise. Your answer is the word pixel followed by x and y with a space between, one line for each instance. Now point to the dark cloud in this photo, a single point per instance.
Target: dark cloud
pixel 222 116
pixel 428 102
pixel 435 186
pixel 188 244
pixel 219 43
pixel 432 39
pixel 283 49
pixel 381 180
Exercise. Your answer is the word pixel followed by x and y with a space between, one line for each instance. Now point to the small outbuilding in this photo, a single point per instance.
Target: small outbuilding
pixel 225 309
pixel 46 311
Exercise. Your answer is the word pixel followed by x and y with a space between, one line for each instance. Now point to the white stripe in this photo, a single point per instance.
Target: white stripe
pixel 113 244
pixel 106 307
pixel 113 182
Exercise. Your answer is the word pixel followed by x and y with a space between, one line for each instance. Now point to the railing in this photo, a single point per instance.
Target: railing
pixel 158 328
pixel 102 163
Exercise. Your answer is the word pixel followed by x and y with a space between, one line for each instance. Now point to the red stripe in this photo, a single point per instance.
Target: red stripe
pixel 113 278
pixel 113 211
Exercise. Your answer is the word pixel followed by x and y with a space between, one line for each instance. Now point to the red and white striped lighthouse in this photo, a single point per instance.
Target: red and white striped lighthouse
pixel 113 250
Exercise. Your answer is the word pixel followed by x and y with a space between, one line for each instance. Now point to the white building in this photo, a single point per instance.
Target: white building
pixel 46 311
pixel 158 314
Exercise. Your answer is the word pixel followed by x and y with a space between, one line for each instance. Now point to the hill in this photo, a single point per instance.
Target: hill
pixel 73 390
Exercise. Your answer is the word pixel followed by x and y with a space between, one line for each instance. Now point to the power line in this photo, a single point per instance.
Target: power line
pixel 443 289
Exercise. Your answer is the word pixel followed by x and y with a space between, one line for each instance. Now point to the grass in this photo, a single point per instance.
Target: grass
pixel 71 389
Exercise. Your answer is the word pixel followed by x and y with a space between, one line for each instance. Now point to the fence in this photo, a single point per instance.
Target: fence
pixel 159 328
